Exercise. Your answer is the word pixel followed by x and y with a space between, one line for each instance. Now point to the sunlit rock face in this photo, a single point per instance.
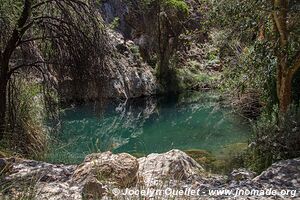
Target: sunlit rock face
pixel 96 176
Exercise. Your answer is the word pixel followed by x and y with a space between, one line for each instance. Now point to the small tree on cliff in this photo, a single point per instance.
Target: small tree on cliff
pixel 63 30
pixel 170 22
pixel 170 17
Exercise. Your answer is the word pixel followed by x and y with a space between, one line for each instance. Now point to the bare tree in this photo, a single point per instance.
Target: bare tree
pixel 67 32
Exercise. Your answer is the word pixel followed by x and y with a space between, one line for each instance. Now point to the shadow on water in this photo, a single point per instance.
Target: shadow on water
pixel 147 125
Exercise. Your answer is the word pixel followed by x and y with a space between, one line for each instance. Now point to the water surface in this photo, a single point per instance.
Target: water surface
pixel 147 125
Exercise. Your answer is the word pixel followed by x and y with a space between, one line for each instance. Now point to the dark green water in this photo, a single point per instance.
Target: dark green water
pixel 147 125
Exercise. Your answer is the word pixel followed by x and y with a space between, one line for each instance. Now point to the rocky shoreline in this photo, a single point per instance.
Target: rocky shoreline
pixel 107 176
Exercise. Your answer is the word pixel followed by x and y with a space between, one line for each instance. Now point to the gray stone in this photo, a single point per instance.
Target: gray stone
pixel 122 75
pixel 118 169
pixel 174 164
pixel 101 172
pixel 241 175
pixel 283 174
pixel 93 189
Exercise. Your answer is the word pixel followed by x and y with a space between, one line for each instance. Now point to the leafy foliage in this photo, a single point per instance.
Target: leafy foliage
pixel 177 4
pixel 273 142
pixel 256 55
pixel 255 69
pixel 249 44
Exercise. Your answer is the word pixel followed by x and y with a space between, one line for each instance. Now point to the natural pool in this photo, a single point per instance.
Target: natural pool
pixel 147 125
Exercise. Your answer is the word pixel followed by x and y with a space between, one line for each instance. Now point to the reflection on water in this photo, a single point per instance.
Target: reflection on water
pixel 147 125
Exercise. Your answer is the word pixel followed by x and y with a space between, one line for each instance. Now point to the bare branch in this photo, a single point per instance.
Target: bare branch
pixel 41 3
pixel 38 38
pixel 13 70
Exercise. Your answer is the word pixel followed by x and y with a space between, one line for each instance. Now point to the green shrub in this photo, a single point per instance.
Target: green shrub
pixel 177 4
pixel 275 138
pixel 115 23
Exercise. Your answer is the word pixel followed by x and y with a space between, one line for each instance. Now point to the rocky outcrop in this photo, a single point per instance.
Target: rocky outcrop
pixel 194 52
pixel 120 75
pixel 104 175
pixel 30 178
pixel 140 24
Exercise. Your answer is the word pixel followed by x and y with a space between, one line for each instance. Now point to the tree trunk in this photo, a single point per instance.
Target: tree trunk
pixel 5 58
pixel 164 59
pixel 284 72
pixel 285 93
pixel 3 96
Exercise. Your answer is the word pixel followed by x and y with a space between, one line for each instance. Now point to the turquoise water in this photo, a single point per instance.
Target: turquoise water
pixel 147 125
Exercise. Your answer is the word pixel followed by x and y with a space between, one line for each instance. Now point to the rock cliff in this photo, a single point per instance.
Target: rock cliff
pixel 121 74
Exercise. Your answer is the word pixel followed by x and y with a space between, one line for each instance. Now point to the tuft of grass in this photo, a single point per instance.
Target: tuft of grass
pixel 26 132
pixel 19 189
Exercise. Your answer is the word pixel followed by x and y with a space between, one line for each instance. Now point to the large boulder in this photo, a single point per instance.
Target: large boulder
pixel 174 165
pixel 282 177
pixel 283 174
pixel 118 169
pixel 38 180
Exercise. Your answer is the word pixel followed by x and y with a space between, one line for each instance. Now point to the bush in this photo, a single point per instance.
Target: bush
pixel 177 4
pixel 275 138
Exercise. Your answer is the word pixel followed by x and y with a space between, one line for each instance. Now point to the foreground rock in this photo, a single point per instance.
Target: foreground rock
pixel 175 165
pixel 120 170
pixel 282 174
pixel 106 175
